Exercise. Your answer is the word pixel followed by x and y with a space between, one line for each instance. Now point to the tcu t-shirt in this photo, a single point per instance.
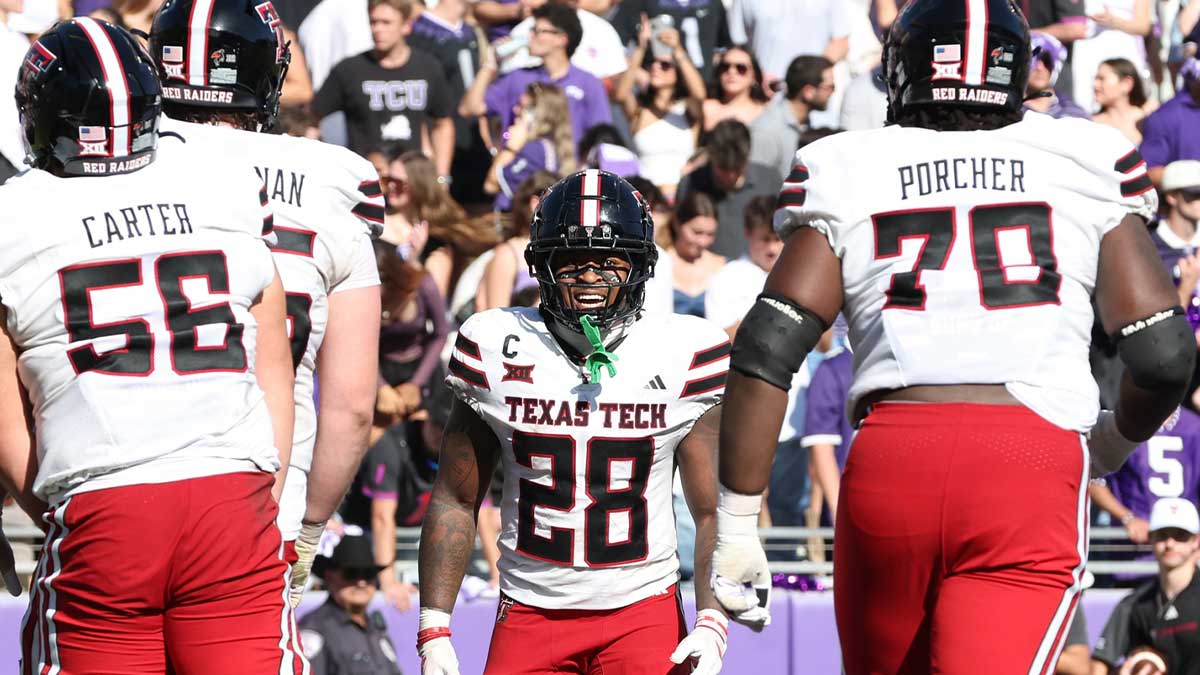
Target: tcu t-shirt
pixel 385 106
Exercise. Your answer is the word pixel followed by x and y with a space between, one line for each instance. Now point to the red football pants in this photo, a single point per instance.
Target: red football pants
pixel 184 578
pixel 633 640
pixel 960 541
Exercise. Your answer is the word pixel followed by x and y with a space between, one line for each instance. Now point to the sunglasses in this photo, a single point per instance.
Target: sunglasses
pixel 741 68
pixel 1190 195
pixel 355 575
pixel 664 65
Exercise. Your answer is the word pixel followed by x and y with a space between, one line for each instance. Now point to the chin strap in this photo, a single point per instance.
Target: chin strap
pixel 600 357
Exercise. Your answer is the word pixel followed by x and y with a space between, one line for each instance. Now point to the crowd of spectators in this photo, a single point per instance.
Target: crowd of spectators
pixel 470 108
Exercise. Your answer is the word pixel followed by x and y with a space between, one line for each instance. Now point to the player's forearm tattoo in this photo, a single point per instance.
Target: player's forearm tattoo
pixel 447 539
pixel 448 532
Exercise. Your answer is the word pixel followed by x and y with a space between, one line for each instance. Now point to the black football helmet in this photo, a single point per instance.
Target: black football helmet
pixel 592 210
pixel 961 53
pixel 220 55
pixel 89 100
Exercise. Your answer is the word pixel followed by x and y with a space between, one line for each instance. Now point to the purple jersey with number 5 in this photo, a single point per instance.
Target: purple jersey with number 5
pixel 1167 465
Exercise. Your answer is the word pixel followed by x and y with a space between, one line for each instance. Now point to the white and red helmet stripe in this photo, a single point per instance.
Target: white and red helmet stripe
pixel 197 48
pixel 589 209
pixel 977 43
pixel 118 86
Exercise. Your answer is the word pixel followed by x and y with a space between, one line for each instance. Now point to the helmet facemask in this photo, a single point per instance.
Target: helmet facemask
pixel 545 259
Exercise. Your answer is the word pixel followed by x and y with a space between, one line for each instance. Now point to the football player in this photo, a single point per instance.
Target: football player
pixel 222 64
pixel 145 330
pixel 965 272
pixel 589 404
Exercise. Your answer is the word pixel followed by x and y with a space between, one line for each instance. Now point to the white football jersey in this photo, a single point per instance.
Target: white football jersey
pixel 971 257
pixel 587 514
pixel 128 297
pixel 328 206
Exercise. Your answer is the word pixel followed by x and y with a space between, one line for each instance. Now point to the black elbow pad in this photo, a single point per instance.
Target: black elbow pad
pixel 1159 351
pixel 774 339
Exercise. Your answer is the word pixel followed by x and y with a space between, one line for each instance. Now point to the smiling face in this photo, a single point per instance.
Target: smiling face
pixel 589 279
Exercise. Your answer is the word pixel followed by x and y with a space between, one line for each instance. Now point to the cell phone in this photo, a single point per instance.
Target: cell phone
pixel 658 24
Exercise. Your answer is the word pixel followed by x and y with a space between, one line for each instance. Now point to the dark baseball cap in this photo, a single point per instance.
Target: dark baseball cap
pixel 353 552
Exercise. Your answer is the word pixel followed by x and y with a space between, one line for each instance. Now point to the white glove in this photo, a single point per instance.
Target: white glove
pixel 437 654
pixel 8 565
pixel 741 580
pixel 1107 446
pixel 306 551
pixel 705 645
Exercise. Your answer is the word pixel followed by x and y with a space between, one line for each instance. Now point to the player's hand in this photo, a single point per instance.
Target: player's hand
pixel 741 580
pixel 438 658
pixel 705 645
pixel 433 643
pixel 1107 447
pixel 306 551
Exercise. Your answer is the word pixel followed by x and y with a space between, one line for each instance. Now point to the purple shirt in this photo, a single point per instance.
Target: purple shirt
pixel 86 7
pixel 406 341
pixel 1169 254
pixel 1169 133
pixel 499 30
pixel 825 415
pixel 534 156
pixel 586 100
pixel 1167 465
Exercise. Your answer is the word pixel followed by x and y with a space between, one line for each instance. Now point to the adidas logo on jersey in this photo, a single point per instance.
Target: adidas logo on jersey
pixel 656 383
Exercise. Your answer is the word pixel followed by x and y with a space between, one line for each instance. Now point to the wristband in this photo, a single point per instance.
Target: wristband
pixel 737 504
pixel 433 618
pixel 737 514
pixel 1127 518
pixel 716 622
pixel 429 634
